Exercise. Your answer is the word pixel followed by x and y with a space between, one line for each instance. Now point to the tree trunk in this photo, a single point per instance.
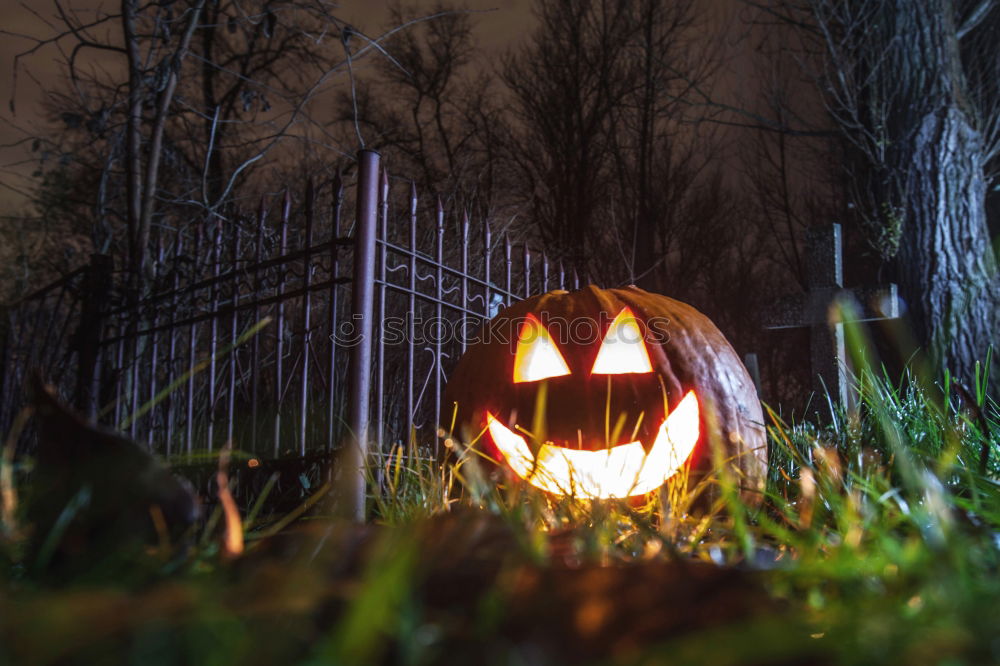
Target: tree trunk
pixel 947 266
pixel 902 99
pixel 947 275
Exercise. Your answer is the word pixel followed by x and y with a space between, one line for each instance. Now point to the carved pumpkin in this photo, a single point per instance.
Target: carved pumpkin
pixel 603 393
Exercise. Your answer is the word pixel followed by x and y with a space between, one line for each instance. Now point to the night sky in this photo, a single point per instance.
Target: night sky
pixel 500 26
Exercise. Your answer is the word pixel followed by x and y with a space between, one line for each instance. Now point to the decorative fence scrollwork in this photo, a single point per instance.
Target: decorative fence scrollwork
pixel 249 333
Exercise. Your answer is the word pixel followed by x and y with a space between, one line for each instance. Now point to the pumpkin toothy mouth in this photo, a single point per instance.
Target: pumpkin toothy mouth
pixel 620 471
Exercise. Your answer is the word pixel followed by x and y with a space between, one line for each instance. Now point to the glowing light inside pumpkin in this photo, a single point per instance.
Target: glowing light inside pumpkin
pixel 623 350
pixel 537 357
pixel 619 471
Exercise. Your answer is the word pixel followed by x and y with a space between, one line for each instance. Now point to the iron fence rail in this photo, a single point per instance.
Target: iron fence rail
pixel 188 367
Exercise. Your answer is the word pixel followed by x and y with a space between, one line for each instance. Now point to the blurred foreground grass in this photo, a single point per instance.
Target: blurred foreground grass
pixel 878 543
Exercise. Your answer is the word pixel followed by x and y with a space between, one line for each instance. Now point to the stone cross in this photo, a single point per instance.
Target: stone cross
pixel 818 309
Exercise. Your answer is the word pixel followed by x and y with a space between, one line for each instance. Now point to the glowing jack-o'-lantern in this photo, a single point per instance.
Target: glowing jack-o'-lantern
pixel 607 393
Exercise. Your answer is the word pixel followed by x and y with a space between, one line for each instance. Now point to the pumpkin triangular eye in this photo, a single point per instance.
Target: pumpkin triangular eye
pixel 623 349
pixel 537 357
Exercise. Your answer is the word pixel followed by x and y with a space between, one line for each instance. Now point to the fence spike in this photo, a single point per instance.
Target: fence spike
pixel 412 310
pixel 487 277
pixel 233 333
pixel 439 295
pixel 279 324
pixel 545 272
pixel 258 255
pixel 382 231
pixel 171 413
pixel 306 317
pixel 213 340
pixel 507 266
pixel 527 271
pixel 338 185
pixel 336 209
pixel 178 253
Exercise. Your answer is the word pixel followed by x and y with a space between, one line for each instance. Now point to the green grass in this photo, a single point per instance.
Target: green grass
pixel 878 543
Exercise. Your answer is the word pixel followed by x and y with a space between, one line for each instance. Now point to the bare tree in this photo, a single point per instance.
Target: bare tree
pixel 432 110
pixel 616 179
pixel 665 168
pixel 565 85
pixel 199 93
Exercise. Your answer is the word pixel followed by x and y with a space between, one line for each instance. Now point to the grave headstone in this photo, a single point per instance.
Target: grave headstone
pixel 818 309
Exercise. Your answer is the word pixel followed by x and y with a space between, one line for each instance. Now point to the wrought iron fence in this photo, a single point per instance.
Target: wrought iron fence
pixel 251 335
pixel 438 278
pixel 41 331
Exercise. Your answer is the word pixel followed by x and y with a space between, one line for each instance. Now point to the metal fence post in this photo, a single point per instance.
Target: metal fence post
pixel 355 455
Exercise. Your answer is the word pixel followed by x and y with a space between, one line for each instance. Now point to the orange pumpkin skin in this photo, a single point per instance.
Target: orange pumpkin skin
pixel 686 351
